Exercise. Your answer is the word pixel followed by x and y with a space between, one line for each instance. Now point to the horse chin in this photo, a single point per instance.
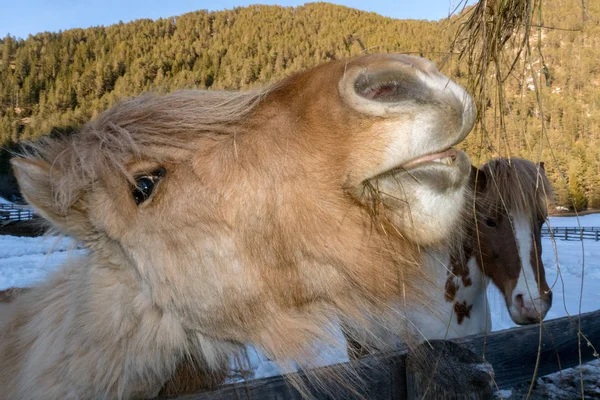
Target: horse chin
pixel 426 201
pixel 530 313
pixel 524 319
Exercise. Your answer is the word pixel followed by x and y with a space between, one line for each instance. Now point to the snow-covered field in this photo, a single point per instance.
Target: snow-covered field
pixel 25 260
pixel 569 265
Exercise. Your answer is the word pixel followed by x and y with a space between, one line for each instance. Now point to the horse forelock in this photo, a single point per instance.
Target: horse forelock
pixel 516 186
pixel 148 127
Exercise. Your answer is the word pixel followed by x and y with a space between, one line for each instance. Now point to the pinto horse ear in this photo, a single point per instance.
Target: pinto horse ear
pixel 35 178
pixel 478 178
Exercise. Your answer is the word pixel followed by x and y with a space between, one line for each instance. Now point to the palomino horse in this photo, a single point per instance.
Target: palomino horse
pixel 503 245
pixel 215 219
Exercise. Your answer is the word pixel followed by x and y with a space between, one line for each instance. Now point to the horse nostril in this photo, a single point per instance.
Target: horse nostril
pixel 519 301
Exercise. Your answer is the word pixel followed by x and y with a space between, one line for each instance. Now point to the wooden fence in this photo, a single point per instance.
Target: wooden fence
pixel 14 212
pixel 513 353
pixel 573 233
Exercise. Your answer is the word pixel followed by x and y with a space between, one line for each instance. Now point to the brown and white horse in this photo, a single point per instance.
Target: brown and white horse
pixel 502 245
pixel 216 219
pixel 512 206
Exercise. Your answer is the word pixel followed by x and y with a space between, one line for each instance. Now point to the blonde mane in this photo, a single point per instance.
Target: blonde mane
pixel 148 125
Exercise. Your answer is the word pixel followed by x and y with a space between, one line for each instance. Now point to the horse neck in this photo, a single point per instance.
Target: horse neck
pixel 460 291
pixel 457 269
pixel 95 301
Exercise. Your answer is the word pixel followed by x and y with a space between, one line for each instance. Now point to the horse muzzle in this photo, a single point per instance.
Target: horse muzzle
pixel 525 311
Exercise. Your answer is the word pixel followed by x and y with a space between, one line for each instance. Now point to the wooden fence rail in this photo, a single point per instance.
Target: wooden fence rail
pixel 14 212
pixel 573 233
pixel 513 354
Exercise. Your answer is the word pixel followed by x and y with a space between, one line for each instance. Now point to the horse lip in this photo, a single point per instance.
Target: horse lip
pixel 448 153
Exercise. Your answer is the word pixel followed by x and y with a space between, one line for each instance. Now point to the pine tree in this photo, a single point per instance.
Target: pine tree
pixel 60 80
pixel 576 187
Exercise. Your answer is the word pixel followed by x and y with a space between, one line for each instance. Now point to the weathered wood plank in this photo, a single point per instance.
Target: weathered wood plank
pixel 373 377
pixel 444 370
pixel 512 353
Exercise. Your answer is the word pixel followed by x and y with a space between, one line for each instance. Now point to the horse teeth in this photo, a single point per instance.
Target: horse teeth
pixel 445 160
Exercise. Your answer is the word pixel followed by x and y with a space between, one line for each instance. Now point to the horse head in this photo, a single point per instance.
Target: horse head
pixel 246 217
pixel 511 205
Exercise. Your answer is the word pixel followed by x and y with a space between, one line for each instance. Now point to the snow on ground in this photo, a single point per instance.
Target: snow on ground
pixel 25 261
pixel 560 385
pixel 584 220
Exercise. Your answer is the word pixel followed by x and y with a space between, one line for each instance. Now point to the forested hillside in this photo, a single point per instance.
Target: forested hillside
pixel 57 81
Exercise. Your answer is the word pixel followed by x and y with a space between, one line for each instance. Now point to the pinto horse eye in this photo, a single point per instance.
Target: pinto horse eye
pixel 490 222
pixel 144 185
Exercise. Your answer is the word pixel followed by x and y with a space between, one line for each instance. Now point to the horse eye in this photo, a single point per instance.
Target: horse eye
pixel 144 185
pixel 143 189
pixel 490 222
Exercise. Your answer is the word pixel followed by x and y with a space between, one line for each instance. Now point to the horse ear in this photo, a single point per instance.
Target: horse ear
pixel 478 178
pixel 541 164
pixel 35 178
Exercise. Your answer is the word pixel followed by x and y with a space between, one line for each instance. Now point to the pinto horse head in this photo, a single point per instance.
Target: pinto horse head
pixel 511 204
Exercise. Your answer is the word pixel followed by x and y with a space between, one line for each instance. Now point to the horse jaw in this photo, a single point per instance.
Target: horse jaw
pixel 420 180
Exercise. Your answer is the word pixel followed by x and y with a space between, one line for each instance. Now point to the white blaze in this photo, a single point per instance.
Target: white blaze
pixel 527 285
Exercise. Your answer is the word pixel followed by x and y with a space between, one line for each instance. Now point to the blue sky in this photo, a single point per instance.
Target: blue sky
pixel 21 18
